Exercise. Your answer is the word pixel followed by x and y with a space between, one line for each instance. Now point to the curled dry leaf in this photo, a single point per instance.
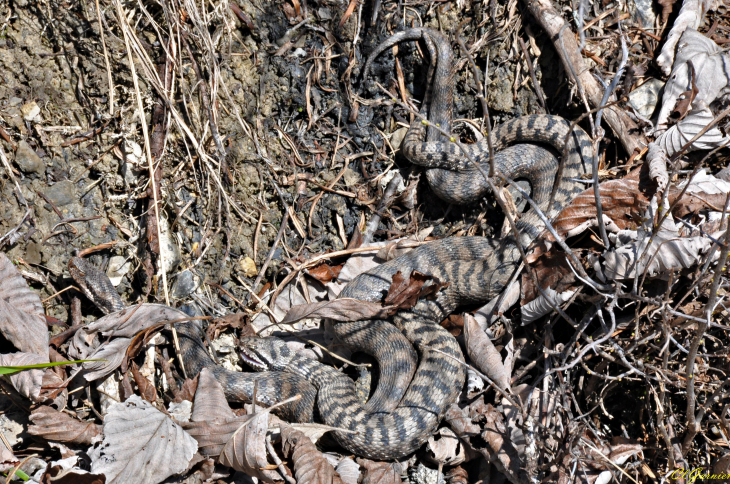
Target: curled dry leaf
pixel 324 272
pixel 61 427
pixel 445 448
pixel 22 320
pixel 689 18
pixel 230 321
pixel 210 400
pixel 246 449
pixel 657 159
pixel 62 473
pixel 551 270
pixel 544 304
pixel 483 354
pixel 380 472
pixel 141 445
pixel 146 389
pixel 348 470
pixel 404 294
pixel 674 139
pixel 310 466
pixel 122 326
pixel 345 309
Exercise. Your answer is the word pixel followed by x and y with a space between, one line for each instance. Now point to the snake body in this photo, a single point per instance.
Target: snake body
pixel 476 268
pixel 410 401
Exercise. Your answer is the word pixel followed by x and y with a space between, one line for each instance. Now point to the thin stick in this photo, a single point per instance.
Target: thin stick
pixel 140 111
pixel 106 61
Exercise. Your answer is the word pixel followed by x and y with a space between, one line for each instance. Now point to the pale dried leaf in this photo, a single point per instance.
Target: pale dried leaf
pixel 213 434
pixel 540 306
pixel 122 324
pixel 380 472
pixel 141 445
pixel 246 450
pixel 57 474
pixel 310 466
pixel 445 448
pixel 667 252
pixel 61 427
pixel 348 470
pixel 483 354
pixel 689 18
pixel 29 382
pixel 357 264
pixel 210 401
pixel 345 309
pixel 706 184
pixel 313 431
pixel 22 320
pixel 657 159
pixel 673 139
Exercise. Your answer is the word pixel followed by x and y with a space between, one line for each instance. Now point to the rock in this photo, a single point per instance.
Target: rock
pixel 33 253
pixel 248 266
pixel 27 159
pixel 396 139
pixel 645 97
pixel 31 111
pixel 184 284
pixel 62 193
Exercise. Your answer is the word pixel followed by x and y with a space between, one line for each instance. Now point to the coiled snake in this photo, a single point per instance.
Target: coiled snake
pixel 410 401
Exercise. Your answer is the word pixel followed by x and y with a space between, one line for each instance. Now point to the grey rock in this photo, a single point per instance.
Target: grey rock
pixel 33 253
pixel 184 285
pixel 62 193
pixel 27 159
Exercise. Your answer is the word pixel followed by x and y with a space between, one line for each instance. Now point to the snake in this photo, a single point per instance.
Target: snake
pixel 477 269
pixel 421 365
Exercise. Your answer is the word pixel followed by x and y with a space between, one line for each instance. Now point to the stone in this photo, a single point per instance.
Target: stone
pixel 248 266
pixel 31 111
pixel 27 159
pixel 62 193
pixel 33 253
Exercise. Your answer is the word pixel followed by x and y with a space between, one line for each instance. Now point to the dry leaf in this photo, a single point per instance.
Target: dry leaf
pixel 445 448
pixel 380 472
pixel 348 470
pixel 673 139
pixel 483 354
pixel 122 326
pixel 345 309
pixel 70 474
pixel 22 320
pixel 310 466
pixel 685 100
pixel 588 462
pixel 657 158
pixel 689 18
pixel 492 442
pixel 28 383
pixel 146 389
pixel 230 321
pixel 552 272
pixel 246 450
pixel 141 445
pixel 666 8
pixel 324 273
pixel 61 427
pixel 213 434
pixel 623 201
pixel 541 305
pixel 210 401
pixel 667 252
pixel 404 294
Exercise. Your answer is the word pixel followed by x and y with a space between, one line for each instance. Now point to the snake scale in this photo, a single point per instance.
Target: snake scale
pixel 415 390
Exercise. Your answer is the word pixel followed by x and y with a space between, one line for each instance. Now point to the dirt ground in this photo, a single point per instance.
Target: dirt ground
pixel 269 149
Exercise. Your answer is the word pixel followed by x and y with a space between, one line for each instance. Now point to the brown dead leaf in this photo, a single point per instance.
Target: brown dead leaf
pixel 28 383
pixel 552 271
pixel 58 475
pixel 187 390
pixel 404 294
pixel 444 448
pixel 238 320
pixel 213 434
pixel 667 6
pixel 146 389
pixel 246 449
pixel 454 324
pixel 22 320
pixel 380 472
pixel 54 391
pixel 685 100
pixel 310 466
pixel 324 273
pixel 623 201
pixel 344 309
pixel 457 475
pixel 61 427
pixel 695 202
pixel 210 400
pixel 483 354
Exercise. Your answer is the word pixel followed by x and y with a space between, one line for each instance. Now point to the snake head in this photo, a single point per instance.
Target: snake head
pixel 266 354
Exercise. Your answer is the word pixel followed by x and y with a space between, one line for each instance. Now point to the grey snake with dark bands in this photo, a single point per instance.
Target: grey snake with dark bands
pixel 408 406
